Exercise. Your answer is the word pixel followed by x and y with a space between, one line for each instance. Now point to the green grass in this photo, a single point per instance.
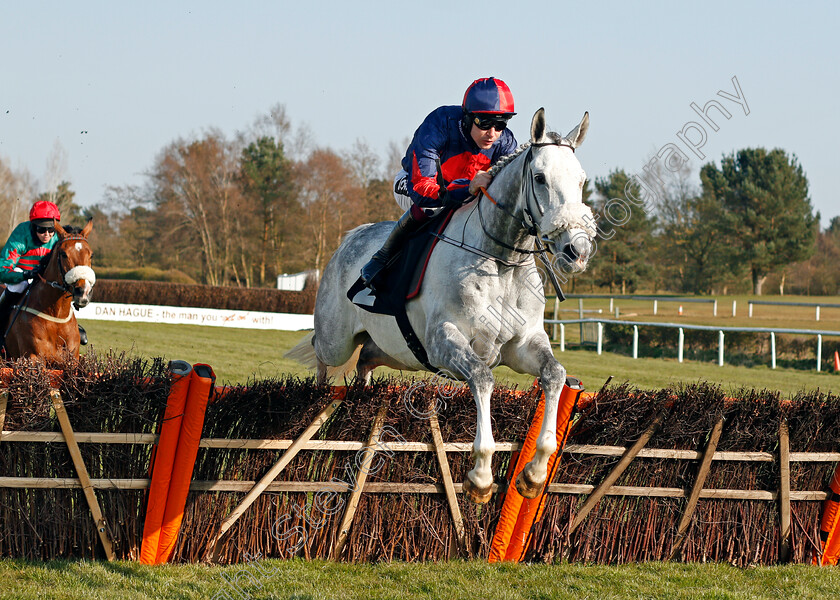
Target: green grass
pixel 302 580
pixel 238 355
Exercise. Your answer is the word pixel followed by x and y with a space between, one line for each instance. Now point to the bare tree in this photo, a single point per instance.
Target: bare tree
pixel 197 193
pixel 55 171
pixel 16 194
pixel 332 202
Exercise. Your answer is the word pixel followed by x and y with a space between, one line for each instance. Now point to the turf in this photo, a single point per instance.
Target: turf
pixel 311 580
pixel 238 355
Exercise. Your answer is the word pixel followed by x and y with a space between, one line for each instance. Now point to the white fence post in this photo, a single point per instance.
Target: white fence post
pixel 616 312
pixel 654 307
pixel 818 312
pixel 600 337
pixel 750 311
pixel 556 317
pixel 635 341
pixel 734 303
pixel 772 349
pixel 562 337
pixel 680 346
pixel 819 351
pixel 580 316
pixel 611 304
pixel 720 348
pixel 714 311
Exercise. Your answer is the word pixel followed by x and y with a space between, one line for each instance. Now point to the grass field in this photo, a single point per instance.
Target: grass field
pixel 238 356
pixel 456 580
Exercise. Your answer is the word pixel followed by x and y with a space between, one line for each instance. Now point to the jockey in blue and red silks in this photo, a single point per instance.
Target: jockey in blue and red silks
pixel 467 140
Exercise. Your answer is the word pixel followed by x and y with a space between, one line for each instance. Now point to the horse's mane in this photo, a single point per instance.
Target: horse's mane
pixel 553 136
pixel 507 158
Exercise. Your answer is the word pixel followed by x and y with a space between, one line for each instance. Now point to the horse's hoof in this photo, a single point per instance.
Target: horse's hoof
pixel 526 487
pixel 476 495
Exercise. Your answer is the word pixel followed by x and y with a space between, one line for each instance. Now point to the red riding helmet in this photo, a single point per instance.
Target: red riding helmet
pixel 44 210
pixel 488 96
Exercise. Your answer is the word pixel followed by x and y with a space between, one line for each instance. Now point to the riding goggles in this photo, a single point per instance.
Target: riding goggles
pixel 485 123
pixel 42 230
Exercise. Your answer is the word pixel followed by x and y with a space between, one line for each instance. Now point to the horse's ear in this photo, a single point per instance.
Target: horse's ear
pixel 538 126
pixel 59 229
pixel 87 228
pixel 577 134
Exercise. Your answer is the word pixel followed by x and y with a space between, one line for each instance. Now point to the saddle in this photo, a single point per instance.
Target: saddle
pixel 402 280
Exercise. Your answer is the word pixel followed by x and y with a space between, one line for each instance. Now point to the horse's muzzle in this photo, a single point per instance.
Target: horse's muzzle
pixel 574 255
pixel 81 294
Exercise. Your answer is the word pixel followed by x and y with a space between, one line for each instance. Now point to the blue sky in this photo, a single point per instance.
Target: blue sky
pixel 115 82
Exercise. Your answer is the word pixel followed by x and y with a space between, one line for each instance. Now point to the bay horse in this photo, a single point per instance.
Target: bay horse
pixel 45 326
pixel 482 299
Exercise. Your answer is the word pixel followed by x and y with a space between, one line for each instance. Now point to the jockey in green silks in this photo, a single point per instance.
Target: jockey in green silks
pixel 21 256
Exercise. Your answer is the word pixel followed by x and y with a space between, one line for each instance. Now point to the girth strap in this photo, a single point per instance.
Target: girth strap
pixel 411 339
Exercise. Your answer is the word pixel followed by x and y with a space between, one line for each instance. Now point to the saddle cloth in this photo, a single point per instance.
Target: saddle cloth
pixel 402 278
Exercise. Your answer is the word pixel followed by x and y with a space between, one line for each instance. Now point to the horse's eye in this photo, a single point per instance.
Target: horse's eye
pixel 539 178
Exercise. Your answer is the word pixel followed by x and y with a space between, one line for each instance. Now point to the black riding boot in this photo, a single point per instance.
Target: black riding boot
pixel 82 335
pixel 404 227
pixel 7 302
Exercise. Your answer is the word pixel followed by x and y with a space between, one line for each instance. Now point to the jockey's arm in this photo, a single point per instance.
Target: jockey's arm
pixel 9 271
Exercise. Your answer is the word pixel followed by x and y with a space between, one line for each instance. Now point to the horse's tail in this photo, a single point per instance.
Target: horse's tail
pixel 304 352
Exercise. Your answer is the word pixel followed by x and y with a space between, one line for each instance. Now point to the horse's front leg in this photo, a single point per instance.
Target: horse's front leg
pixel 450 349
pixel 536 358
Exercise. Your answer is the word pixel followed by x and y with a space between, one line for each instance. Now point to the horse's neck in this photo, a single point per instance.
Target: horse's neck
pixel 48 299
pixel 505 189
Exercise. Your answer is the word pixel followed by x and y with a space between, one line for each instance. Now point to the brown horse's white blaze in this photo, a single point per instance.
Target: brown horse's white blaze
pixel 45 326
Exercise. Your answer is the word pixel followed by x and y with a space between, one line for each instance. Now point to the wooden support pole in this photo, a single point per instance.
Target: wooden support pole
pixel 361 478
pixel 270 476
pixel 448 484
pixel 702 472
pixel 613 476
pixel 81 471
pixel 784 492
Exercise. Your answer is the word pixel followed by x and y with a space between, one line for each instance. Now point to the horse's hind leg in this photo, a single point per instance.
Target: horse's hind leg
pixel 371 357
pixel 320 371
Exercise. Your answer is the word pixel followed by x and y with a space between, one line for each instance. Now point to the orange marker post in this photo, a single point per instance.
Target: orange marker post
pixel 519 515
pixel 829 529
pixel 202 385
pixel 163 457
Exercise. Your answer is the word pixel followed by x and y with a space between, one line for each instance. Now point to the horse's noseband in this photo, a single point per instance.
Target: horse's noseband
pixel 64 285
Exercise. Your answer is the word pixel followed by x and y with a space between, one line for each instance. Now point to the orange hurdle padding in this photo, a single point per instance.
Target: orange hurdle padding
pixel 519 514
pixel 162 458
pixel 202 385
pixel 829 530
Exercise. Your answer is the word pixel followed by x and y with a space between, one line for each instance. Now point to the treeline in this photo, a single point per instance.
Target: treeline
pixel 240 210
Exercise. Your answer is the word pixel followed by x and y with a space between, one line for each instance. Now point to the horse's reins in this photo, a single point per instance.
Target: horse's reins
pixel 65 287
pixel 529 223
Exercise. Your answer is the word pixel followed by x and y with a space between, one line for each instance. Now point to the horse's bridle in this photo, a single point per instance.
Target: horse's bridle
pixel 529 222
pixel 63 285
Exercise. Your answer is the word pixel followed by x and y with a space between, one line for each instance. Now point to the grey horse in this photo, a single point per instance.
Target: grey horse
pixel 482 300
